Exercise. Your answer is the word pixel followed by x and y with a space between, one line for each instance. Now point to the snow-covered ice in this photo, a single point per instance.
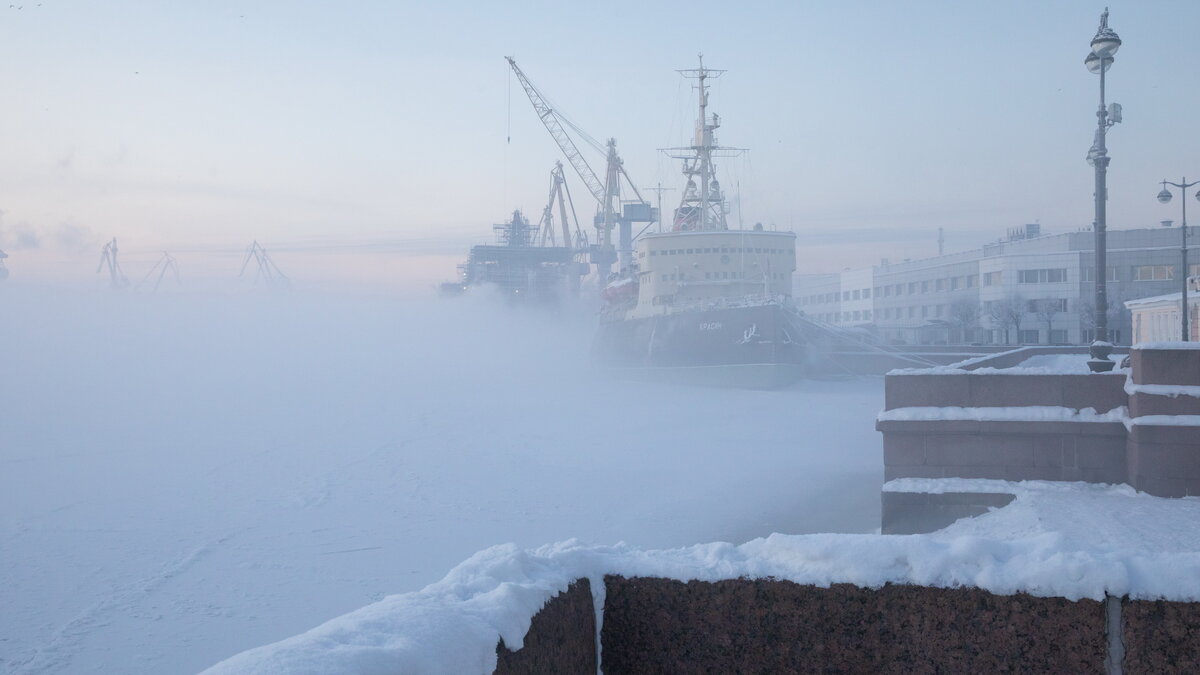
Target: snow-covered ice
pixel 1073 540
pixel 187 476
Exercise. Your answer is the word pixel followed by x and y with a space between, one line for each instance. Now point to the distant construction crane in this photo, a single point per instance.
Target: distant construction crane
pixel 266 269
pixel 108 258
pixel 612 211
pixel 165 263
pixel 560 194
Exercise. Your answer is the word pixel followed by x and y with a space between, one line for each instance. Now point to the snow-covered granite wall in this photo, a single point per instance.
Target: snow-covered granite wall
pixel 1139 425
pixel 1163 450
pixel 1025 585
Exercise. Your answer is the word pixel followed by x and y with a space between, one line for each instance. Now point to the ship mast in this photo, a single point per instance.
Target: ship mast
pixel 702 207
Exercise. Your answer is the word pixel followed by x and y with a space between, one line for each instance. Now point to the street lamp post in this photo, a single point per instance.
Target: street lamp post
pixel 1165 197
pixel 1104 47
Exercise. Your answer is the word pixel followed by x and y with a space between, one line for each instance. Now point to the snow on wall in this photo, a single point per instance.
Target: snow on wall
pixel 1167 345
pixel 1016 370
pixel 1169 390
pixel 1166 421
pixel 1073 540
pixel 1025 413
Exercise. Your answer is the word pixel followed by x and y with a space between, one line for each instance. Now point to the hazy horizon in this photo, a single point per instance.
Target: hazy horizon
pixel 350 141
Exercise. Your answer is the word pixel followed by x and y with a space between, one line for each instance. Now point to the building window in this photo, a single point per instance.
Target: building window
pixel 856 295
pixel 1046 304
pixel 866 294
pixel 1058 336
pixel 887 292
pixel 955 283
pixel 924 311
pixel 912 312
pixel 1028 337
pixel 845 295
pixel 1052 276
pixel 972 280
pixel 925 286
pixel 940 285
pixel 993 278
pixel 1154 273
pixel 1089 274
pixel 912 287
pixel 937 310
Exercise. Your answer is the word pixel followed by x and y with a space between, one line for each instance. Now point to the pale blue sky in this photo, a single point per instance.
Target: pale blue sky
pixel 204 125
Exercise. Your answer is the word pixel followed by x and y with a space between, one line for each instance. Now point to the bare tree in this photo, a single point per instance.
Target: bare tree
pixel 1115 313
pixel 1007 313
pixel 964 315
pixel 1045 309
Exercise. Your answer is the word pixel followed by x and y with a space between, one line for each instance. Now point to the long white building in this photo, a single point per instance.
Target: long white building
pixel 1026 289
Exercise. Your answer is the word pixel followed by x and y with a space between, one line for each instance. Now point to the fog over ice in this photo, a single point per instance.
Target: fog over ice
pixel 190 474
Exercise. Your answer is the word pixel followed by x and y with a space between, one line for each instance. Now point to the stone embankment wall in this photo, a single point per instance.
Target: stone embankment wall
pixel 1004 449
pixel 1154 445
pixel 764 625
pixel 1164 422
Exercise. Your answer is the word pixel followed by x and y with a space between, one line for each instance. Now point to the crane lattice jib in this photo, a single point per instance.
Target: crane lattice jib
pixel 554 126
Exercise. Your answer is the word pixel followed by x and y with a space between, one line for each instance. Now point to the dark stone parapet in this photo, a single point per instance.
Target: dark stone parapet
pixel 656 625
pixel 761 626
pixel 561 637
pixel 1100 391
pixel 1161 637
pixel 1166 366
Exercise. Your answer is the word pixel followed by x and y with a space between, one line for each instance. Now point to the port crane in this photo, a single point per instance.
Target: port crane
pixel 612 212
pixel 165 264
pixel 560 195
pixel 266 270
pixel 108 258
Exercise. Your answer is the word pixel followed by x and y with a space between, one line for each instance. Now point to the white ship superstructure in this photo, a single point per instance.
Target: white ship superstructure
pixel 703 297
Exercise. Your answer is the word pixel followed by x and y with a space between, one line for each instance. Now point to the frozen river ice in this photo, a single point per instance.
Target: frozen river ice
pixel 184 477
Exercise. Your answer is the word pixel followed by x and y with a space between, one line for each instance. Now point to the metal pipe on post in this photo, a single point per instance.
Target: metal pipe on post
pixel 1104 45
pixel 1165 196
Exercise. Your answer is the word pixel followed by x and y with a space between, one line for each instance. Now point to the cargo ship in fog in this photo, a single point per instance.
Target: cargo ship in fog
pixel 702 302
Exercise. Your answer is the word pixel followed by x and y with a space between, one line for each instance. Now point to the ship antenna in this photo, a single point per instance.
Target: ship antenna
pixel 703 202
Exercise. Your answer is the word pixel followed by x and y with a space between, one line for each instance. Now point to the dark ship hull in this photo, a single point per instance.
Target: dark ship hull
pixel 759 346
